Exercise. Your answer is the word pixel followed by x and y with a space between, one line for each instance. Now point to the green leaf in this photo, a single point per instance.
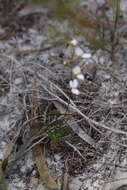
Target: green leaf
pixel 97 43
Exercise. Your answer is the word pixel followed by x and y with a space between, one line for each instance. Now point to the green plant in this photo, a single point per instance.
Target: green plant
pixel 114 34
pixel 108 26
pixel 56 133
pixel 56 130
pixel 99 29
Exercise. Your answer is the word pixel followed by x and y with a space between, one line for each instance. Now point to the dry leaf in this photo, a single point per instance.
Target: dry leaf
pixel 43 170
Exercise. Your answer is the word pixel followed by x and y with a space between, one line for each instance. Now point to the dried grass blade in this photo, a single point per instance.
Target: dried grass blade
pixel 86 22
pixel 43 170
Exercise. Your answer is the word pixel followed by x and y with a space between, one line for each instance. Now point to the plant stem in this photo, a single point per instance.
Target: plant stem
pixel 114 37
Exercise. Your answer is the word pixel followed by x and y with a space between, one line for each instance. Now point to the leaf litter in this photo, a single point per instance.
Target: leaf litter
pixel 80 164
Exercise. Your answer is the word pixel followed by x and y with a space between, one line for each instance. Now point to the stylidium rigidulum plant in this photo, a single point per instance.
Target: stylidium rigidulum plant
pixel 77 70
